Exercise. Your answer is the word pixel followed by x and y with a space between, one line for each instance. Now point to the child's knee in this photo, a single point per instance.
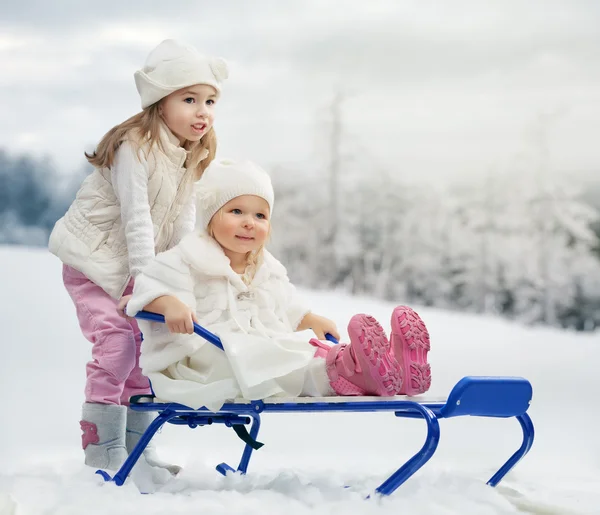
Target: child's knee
pixel 117 356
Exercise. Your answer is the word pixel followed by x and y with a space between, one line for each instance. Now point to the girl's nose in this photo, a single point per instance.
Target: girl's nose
pixel 202 110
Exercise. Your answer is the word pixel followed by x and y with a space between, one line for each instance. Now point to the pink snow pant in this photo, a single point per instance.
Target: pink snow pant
pixel 114 373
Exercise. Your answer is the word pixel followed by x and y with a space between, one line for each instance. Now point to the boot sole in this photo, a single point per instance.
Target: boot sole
pixel 410 345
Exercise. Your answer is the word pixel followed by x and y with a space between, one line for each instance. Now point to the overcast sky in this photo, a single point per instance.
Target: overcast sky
pixel 430 89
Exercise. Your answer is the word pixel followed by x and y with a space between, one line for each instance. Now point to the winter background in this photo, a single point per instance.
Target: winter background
pixel 440 154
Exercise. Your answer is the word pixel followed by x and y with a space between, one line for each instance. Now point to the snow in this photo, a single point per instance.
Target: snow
pixel 307 459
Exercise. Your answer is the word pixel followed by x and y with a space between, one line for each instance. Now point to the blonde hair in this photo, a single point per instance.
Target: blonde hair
pixel 253 262
pixel 146 125
pixel 253 258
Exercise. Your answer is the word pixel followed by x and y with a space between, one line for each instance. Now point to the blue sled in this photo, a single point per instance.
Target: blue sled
pixel 497 397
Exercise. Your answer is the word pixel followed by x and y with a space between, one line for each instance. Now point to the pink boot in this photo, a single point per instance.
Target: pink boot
pixel 410 345
pixel 365 366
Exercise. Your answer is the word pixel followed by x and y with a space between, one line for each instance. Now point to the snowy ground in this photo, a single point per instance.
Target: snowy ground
pixel 307 458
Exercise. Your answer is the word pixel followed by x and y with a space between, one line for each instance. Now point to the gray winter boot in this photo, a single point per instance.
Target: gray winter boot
pixel 137 423
pixel 103 438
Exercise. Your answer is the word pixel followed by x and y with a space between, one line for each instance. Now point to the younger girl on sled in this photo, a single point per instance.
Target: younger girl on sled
pixel 222 277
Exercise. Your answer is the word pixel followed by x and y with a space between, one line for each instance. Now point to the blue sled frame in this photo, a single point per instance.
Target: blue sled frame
pixel 479 396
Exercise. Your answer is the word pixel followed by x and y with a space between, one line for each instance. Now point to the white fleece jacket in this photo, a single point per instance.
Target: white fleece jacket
pixel 256 323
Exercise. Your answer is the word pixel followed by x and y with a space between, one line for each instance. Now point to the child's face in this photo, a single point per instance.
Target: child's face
pixel 189 112
pixel 242 225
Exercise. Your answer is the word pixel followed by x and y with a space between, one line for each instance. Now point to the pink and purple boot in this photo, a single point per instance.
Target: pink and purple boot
pixel 410 345
pixel 366 366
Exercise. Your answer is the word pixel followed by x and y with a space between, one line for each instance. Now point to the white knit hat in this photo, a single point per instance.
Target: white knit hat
pixel 226 179
pixel 173 65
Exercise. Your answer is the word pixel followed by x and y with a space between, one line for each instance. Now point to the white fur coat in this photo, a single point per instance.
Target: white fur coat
pixel 256 323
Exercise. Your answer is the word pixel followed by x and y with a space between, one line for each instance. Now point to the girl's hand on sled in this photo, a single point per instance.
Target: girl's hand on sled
pixel 122 305
pixel 320 326
pixel 179 317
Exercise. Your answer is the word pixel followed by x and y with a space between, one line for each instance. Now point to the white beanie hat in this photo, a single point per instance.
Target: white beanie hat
pixel 173 65
pixel 225 180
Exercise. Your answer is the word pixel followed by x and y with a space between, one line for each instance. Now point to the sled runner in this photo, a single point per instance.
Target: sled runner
pixel 497 397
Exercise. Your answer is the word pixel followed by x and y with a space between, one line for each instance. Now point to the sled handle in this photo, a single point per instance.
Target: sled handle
pixel 198 329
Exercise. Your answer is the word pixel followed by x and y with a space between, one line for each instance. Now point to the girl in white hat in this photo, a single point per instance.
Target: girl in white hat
pixel 222 277
pixel 138 202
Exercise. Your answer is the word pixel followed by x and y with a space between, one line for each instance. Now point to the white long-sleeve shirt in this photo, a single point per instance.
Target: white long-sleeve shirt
pixel 130 181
